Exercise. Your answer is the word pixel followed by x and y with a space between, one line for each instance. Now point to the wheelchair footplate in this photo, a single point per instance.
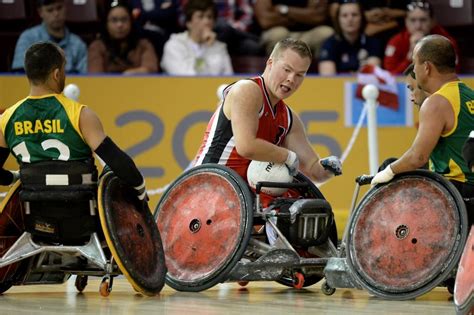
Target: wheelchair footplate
pixel 297 242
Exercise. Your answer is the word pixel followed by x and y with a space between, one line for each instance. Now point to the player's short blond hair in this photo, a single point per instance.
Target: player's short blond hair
pixel 298 46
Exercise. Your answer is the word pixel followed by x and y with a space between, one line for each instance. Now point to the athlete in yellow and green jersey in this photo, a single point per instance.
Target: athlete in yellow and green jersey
pixel 446 158
pixel 45 128
pixel 446 119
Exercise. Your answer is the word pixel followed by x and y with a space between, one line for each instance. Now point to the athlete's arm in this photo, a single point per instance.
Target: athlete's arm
pixel 436 116
pixel 242 105
pixel 122 165
pixel 6 177
pixel 297 141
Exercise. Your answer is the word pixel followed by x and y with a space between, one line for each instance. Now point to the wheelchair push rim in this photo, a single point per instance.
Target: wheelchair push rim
pixel 406 236
pixel 132 236
pixel 205 218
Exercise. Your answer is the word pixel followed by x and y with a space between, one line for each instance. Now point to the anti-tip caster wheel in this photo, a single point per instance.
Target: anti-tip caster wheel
pixel 298 280
pixel 81 282
pixel 326 289
pixel 106 286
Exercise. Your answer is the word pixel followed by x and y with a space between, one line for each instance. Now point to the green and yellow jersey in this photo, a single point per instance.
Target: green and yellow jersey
pixel 44 128
pixel 446 158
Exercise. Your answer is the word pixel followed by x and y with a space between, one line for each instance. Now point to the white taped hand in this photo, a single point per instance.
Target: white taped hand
pixel 292 162
pixel 383 176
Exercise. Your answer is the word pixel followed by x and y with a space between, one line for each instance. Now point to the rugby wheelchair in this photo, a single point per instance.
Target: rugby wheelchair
pixel 403 239
pixel 57 222
pixel 213 230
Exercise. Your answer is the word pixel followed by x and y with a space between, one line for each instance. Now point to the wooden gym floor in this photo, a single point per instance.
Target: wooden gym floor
pixel 228 298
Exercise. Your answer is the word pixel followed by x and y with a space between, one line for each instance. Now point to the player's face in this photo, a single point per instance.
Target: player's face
pixel 119 23
pixel 419 69
pixel 417 95
pixel 53 15
pixel 287 72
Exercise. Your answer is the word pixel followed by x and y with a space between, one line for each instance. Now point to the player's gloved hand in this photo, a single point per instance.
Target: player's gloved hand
pixel 142 196
pixel 384 176
pixel 332 164
pixel 386 163
pixel 468 150
pixel 292 163
pixel 105 170
pixel 141 191
pixel 16 176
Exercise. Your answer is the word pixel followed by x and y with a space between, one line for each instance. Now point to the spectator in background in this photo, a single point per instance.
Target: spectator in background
pixel 419 22
pixel 158 20
pixel 235 27
pixel 384 17
pixel 197 51
pixel 53 29
pixel 299 19
pixel 119 49
pixel 349 48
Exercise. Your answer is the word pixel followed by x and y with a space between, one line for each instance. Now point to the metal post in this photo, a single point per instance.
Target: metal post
pixel 370 93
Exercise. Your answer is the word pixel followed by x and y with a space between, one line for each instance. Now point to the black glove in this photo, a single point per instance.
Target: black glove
pixel 468 150
pixel 105 170
pixel 292 163
pixel 332 164
pixel 386 163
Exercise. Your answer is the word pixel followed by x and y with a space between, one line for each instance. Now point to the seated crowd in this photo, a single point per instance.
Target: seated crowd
pixel 210 37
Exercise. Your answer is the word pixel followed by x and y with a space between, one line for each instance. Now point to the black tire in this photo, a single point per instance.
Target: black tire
pixel 131 235
pixel 81 282
pixel 4 286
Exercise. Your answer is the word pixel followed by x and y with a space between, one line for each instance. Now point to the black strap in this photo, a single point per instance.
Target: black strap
pixel 6 177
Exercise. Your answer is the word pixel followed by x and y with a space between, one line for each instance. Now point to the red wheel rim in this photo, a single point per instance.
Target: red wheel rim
pixel 201 226
pixel 404 234
pixel 464 287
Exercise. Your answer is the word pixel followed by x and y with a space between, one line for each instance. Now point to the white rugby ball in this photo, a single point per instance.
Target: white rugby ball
pixel 72 91
pixel 260 171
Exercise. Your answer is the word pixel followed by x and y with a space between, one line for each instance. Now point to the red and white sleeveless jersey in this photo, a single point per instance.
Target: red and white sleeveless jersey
pixel 218 145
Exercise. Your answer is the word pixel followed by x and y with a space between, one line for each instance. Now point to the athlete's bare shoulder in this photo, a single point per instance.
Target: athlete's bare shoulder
pixel 245 86
pixel 246 91
pixel 243 94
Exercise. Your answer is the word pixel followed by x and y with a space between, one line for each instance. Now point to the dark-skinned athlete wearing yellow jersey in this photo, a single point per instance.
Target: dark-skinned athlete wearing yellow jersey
pixel 47 126
pixel 446 119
